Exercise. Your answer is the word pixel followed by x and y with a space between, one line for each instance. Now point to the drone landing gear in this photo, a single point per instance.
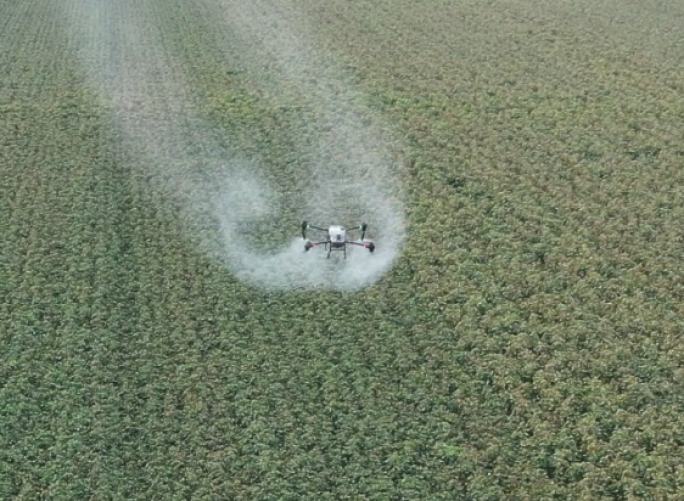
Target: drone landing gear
pixel 344 251
pixel 327 246
pixel 366 245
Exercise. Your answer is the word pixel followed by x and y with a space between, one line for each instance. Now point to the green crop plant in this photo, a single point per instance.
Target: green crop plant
pixel 525 344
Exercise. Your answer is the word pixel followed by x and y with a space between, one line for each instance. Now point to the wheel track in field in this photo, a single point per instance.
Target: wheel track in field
pixel 221 190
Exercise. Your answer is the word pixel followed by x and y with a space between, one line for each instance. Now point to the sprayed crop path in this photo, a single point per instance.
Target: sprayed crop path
pixel 235 203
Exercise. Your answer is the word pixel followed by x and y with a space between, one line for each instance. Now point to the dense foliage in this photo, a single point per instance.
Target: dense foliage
pixel 526 345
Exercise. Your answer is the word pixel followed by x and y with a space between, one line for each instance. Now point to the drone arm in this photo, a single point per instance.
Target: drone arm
pixel 362 228
pixel 310 245
pixel 306 226
pixel 366 245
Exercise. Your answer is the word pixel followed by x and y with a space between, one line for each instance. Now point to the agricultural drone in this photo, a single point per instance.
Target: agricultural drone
pixel 336 238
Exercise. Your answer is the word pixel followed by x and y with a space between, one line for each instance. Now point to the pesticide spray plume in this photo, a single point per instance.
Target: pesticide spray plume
pixel 221 189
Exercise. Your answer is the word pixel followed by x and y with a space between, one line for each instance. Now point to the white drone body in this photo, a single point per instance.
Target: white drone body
pixel 337 238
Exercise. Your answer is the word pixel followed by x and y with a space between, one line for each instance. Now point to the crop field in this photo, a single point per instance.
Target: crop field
pixel 517 334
